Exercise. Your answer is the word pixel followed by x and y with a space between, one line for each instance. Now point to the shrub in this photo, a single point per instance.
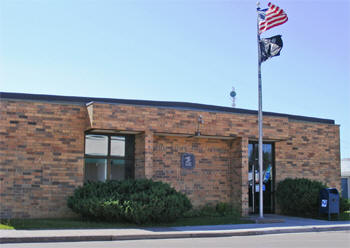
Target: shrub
pixel 138 201
pixel 299 197
pixel 220 209
pixel 344 204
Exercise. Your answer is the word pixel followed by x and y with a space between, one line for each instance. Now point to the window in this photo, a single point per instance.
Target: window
pixel 117 146
pixel 96 145
pixel 109 157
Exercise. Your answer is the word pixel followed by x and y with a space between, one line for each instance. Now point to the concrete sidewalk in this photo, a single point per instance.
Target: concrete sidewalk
pixel 272 224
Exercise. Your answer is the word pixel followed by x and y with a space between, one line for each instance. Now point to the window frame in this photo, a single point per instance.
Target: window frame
pixel 129 160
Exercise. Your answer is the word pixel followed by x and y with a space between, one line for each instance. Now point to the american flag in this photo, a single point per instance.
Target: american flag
pixel 271 17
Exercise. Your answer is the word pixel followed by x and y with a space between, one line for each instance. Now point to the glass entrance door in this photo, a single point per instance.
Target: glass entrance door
pixel 268 177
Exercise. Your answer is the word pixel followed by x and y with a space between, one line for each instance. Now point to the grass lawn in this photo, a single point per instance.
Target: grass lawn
pixel 334 217
pixel 78 223
pixel 4 226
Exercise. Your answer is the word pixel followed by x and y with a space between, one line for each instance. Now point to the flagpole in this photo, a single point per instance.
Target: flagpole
pixel 260 120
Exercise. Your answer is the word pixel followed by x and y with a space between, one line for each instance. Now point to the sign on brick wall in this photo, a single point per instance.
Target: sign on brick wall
pixel 187 160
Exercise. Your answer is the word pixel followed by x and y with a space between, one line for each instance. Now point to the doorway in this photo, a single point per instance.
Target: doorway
pixel 268 177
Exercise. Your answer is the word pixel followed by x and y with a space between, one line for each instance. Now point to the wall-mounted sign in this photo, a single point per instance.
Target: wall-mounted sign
pixel 187 160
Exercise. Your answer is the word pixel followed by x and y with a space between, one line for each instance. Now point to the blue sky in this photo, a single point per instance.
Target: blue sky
pixel 177 50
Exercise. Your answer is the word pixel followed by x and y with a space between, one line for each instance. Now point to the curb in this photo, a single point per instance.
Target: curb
pixel 175 235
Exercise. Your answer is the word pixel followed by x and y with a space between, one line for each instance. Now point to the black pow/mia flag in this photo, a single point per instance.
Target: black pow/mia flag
pixel 270 47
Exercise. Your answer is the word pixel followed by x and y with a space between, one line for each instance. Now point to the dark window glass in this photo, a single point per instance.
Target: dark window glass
pixel 118 169
pixel 268 177
pixel 95 169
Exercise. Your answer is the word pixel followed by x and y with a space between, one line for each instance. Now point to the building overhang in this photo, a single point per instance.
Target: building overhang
pixel 111 131
pixel 194 135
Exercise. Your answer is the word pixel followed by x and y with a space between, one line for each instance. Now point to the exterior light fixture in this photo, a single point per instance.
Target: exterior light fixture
pixel 199 122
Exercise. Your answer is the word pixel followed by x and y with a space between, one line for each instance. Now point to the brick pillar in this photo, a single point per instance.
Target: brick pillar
pixel 239 161
pixel 245 169
pixel 148 154
pixel 140 156
pixel 144 155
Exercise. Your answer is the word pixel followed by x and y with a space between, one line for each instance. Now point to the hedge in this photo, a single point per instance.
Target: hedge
pixel 299 197
pixel 137 201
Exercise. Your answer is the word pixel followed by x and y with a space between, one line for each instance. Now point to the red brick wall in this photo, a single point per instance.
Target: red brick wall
pixel 303 149
pixel 41 150
pixel 312 151
pixel 209 181
pixel 168 120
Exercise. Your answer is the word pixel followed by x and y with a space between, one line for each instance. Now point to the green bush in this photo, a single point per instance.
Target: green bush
pixel 344 204
pixel 299 197
pixel 136 201
pixel 220 209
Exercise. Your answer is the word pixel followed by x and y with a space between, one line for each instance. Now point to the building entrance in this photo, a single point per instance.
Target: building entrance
pixel 268 177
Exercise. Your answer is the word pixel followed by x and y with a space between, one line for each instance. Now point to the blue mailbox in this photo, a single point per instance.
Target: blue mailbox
pixel 329 201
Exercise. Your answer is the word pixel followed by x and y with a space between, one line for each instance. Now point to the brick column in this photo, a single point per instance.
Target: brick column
pixel 244 175
pixel 239 161
pixel 140 156
pixel 148 154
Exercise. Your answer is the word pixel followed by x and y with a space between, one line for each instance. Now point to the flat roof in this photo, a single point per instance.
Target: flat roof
pixel 164 104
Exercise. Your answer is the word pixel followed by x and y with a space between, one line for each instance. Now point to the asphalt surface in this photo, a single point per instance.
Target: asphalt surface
pixel 271 224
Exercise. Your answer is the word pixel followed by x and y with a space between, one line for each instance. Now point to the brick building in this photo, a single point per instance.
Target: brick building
pixel 50 144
